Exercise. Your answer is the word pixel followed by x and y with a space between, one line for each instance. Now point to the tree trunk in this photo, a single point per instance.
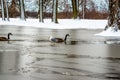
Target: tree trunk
pixel 118 15
pixel 22 9
pixel 3 12
pixel 83 8
pixel 114 15
pixel 74 6
pixel 77 2
pixel 55 11
pixel 40 12
pixel 6 8
pixel 52 9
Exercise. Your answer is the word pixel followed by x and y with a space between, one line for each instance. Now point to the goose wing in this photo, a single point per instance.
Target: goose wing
pixel 3 39
pixel 57 40
pixel 60 40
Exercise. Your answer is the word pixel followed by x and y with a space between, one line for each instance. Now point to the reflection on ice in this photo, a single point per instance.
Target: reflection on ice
pixel 84 56
pixel 112 41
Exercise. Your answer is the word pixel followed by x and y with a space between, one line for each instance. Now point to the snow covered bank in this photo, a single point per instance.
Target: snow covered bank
pixel 110 32
pixel 63 23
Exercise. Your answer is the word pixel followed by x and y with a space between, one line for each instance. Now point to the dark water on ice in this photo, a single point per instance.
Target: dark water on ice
pixel 30 56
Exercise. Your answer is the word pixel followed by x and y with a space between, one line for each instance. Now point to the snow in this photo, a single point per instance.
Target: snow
pixel 64 24
pixel 110 32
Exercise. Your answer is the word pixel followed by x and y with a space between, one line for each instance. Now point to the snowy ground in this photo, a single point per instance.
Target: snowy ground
pixel 64 24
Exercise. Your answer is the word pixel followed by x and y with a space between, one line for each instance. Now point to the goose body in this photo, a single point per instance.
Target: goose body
pixel 58 40
pixel 6 38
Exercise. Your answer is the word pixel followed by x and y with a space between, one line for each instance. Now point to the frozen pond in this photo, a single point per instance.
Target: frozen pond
pixel 30 56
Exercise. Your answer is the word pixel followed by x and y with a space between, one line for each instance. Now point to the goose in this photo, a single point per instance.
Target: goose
pixel 6 38
pixel 58 40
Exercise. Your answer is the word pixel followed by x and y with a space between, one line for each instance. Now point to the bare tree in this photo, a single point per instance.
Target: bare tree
pixel 40 11
pixel 3 12
pixel 6 8
pixel 55 11
pixel 114 15
pixel 74 6
pixel 22 9
pixel 14 8
pixel 83 8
